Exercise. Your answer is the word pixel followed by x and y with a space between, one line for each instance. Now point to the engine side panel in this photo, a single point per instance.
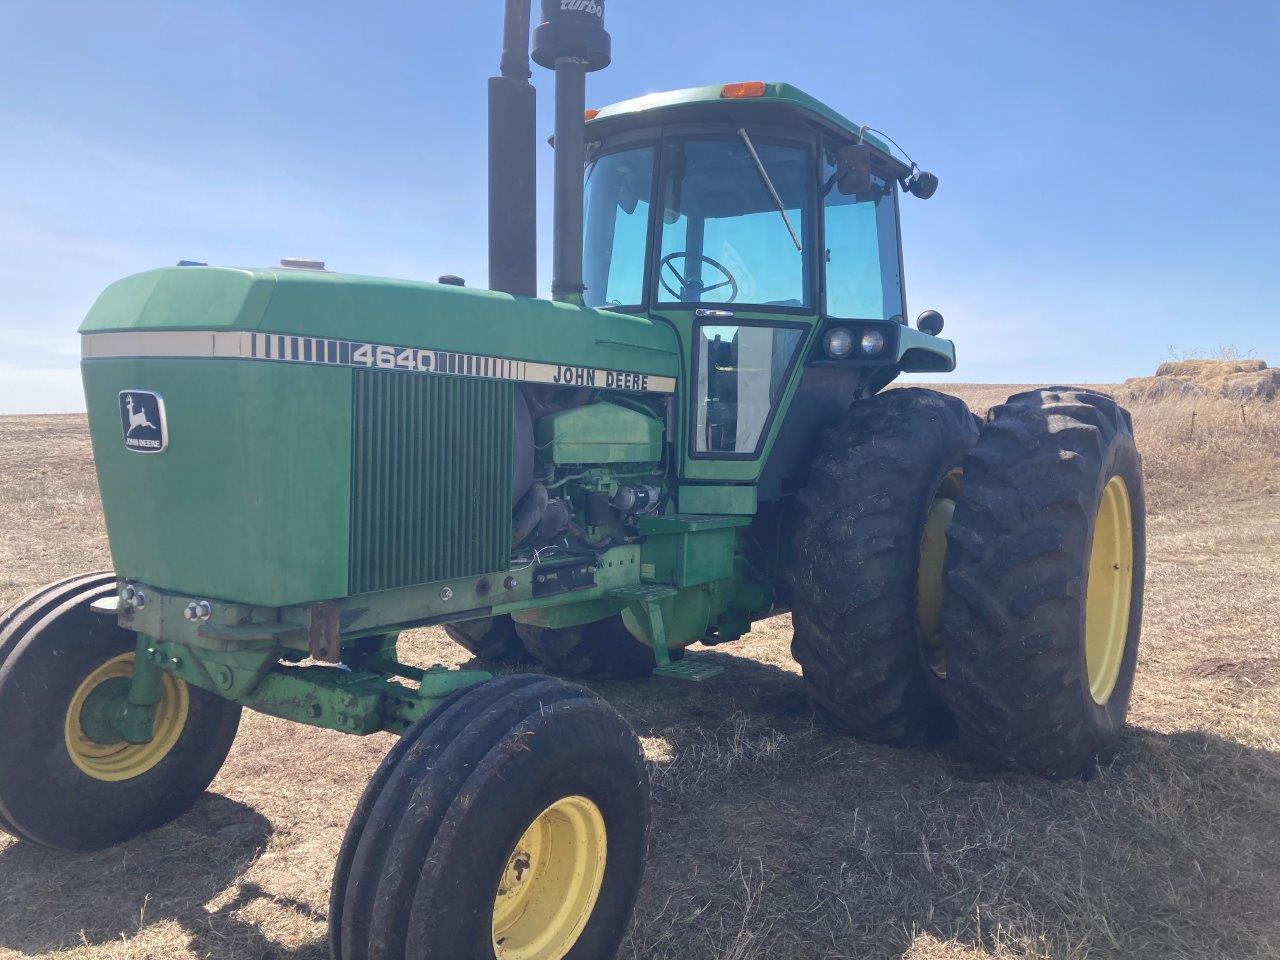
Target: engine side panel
pixel 251 499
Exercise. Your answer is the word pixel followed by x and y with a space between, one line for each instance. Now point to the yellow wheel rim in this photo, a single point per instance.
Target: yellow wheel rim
pixel 1110 590
pixel 933 558
pixel 115 762
pixel 551 882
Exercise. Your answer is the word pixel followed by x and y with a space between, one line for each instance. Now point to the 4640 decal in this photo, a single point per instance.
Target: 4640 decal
pixel 393 358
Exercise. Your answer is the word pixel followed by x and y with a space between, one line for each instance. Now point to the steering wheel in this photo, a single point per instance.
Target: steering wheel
pixel 696 287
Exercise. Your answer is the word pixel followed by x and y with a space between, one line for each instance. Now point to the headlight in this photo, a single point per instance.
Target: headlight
pixel 872 342
pixel 838 343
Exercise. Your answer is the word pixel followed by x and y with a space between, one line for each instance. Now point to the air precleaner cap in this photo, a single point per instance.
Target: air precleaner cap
pixel 572 28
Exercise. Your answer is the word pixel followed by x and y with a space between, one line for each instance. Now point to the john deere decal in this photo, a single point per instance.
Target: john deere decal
pixel 142 418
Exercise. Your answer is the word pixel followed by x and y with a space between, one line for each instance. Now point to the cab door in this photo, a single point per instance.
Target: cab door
pixel 734 269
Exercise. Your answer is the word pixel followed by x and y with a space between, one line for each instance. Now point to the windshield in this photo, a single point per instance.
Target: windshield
pixel 618 187
pixel 724 238
pixel 735 221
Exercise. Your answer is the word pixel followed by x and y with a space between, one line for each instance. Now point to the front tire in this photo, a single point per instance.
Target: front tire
pixel 493 640
pixel 510 822
pixel 30 609
pixel 601 650
pixel 1045 578
pixel 61 787
pixel 866 573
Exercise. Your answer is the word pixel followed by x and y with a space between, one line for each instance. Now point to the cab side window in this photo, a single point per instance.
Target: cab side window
pixel 863 267
pixel 616 227
pixel 742 371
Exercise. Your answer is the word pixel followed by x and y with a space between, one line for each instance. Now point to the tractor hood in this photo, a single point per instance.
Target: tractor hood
pixel 305 312
pixel 281 437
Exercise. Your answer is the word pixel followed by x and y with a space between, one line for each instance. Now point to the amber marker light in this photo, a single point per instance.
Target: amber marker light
pixel 743 91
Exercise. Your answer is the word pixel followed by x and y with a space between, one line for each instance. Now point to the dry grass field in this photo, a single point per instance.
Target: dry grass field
pixel 773 837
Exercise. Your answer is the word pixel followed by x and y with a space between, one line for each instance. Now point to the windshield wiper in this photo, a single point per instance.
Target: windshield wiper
pixel 764 175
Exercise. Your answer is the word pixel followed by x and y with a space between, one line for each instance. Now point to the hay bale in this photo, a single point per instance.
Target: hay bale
pixel 1236 380
pixel 1202 370
pixel 1263 385
pixel 1159 388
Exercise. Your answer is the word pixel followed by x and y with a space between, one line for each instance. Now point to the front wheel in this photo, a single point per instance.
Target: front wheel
pixel 509 824
pixel 493 640
pixel 601 650
pixel 68 779
pixel 1045 572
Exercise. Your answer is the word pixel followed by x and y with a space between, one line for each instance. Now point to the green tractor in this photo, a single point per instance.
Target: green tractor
pixel 693 435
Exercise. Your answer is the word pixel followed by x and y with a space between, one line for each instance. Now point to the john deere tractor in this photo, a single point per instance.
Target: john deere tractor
pixel 692 435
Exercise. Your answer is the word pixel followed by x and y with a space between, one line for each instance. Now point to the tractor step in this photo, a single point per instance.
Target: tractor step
pixel 692 668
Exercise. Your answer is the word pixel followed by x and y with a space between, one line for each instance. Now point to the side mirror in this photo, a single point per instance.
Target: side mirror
pixel 930 322
pixel 922 184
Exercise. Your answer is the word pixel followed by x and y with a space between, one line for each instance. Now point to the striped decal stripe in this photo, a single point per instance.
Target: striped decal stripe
pixel 361 355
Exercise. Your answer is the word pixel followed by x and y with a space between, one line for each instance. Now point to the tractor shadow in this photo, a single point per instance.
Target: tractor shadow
pixel 50 900
pixel 775 836
pixel 762 691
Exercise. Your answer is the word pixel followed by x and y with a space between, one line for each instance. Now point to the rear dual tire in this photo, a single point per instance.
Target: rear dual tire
pixel 510 822
pixel 862 534
pixel 1030 648
pixel 1045 571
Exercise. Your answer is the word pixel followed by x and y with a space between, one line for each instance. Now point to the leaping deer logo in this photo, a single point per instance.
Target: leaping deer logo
pixel 136 418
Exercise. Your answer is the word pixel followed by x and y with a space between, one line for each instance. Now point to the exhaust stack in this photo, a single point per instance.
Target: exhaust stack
pixel 513 163
pixel 572 41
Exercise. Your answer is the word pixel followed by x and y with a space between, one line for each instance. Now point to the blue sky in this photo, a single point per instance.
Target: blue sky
pixel 1108 170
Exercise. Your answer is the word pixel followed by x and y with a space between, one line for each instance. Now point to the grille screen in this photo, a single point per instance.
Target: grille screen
pixel 431 478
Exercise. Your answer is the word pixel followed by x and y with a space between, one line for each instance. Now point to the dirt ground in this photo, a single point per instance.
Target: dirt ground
pixel 773 837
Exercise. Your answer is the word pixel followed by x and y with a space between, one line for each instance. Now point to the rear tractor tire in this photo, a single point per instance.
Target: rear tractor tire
pixel 1044 583
pixel 867 563
pixel 508 824
pixel 602 650
pixel 64 782
pixel 493 640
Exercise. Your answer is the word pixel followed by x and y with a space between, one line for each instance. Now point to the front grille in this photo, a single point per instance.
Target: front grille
pixel 430 478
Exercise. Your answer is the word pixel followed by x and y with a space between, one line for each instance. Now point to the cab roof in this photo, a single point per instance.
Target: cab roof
pixel 774 95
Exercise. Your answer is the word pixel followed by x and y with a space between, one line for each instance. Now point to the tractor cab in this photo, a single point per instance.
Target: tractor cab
pixel 763 226
pixel 707 199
